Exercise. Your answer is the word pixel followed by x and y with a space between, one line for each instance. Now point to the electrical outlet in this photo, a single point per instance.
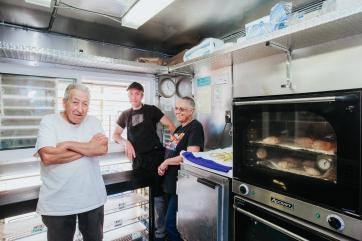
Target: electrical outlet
pixel 228 116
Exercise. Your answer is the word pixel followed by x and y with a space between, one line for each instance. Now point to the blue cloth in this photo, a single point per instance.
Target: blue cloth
pixel 171 228
pixel 205 162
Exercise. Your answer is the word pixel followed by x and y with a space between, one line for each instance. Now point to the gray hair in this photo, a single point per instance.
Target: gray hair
pixel 190 101
pixel 71 87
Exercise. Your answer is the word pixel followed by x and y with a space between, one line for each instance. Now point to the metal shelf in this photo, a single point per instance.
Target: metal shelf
pixel 67 58
pixel 22 97
pixel 28 108
pixel 124 201
pixel 309 32
pixel 316 30
pixel 120 224
pixel 124 217
pixel 328 175
pixel 18 127
pixel 17 137
pixel 27 87
pixel 132 232
pixel 293 147
pixel 16 117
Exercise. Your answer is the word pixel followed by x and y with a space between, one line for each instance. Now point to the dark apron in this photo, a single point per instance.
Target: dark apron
pixel 149 153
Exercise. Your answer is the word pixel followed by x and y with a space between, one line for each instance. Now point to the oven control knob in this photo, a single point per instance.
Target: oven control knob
pixel 335 222
pixel 244 189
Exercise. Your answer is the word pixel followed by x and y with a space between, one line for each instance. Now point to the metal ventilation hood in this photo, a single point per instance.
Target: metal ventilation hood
pixel 181 25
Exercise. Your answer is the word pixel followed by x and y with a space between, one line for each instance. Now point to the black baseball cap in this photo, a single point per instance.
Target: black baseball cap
pixel 135 85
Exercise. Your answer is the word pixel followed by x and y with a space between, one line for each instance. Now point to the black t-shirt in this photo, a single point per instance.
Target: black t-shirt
pixel 142 127
pixel 190 135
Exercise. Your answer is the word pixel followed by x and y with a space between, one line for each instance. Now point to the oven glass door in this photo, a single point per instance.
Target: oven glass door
pixel 252 223
pixel 303 146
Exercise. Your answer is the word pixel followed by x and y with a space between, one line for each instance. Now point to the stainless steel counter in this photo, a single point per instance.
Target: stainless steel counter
pixel 17 174
pixel 23 200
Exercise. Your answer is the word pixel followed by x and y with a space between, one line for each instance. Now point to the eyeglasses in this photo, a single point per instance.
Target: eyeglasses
pixel 181 109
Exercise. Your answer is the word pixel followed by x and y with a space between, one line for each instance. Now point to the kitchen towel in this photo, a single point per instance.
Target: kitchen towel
pixel 205 162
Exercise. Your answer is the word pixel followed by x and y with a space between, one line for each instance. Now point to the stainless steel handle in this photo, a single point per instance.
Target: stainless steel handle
pixel 206 182
pixel 288 101
pixel 272 225
pixel 342 98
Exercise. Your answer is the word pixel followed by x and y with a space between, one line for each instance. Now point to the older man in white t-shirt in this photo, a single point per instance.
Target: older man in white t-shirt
pixel 72 185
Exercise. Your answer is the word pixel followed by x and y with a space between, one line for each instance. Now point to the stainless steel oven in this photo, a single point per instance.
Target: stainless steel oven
pixel 302 152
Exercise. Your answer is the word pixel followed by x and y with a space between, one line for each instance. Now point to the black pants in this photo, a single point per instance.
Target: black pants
pixel 62 228
pixel 149 162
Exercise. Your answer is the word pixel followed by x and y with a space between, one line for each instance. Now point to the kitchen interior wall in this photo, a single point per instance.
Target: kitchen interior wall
pixel 166 104
pixel 211 90
pixel 213 97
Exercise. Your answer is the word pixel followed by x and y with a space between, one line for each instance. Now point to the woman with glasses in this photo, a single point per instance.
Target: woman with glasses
pixel 188 136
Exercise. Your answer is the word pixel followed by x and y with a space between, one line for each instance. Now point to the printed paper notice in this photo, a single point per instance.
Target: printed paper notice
pixel 203 103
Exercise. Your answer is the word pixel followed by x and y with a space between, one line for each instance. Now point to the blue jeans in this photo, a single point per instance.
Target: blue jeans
pixel 160 211
pixel 171 229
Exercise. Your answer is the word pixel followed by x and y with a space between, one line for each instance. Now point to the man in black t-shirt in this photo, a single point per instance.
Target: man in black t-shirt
pixel 188 136
pixel 143 145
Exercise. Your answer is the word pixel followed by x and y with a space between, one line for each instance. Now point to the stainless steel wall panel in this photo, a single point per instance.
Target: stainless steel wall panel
pixel 333 65
pixel 260 77
pixel 217 132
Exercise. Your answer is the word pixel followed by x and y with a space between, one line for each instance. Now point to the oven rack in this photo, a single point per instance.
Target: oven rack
pixel 272 164
pixel 292 147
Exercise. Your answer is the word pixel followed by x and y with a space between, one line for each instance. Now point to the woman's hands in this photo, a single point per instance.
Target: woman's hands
pixel 174 161
pixel 163 167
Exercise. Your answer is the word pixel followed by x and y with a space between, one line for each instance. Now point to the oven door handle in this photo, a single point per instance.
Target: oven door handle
pixel 272 225
pixel 206 182
pixel 343 98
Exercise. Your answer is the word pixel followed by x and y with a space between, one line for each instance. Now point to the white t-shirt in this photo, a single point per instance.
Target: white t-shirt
pixel 73 187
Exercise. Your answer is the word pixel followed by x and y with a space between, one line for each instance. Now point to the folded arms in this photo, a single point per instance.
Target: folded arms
pixel 69 151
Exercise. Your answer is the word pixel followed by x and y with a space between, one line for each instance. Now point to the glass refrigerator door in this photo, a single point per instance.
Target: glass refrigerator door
pixel 125 218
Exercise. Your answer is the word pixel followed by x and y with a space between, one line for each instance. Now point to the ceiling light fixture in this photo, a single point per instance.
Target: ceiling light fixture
pixel 43 3
pixel 143 11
